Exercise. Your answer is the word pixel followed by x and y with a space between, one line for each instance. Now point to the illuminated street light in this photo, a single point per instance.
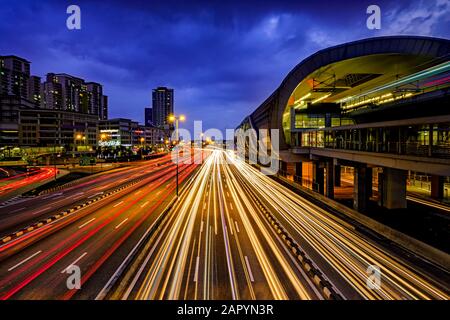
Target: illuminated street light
pixel 173 118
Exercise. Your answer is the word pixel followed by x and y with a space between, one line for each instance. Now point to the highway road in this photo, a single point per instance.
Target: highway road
pixel 18 213
pixel 96 238
pixel 19 183
pixel 218 242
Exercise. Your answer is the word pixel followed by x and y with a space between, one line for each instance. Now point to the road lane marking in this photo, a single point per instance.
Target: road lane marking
pixel 249 269
pixel 18 209
pixel 201 227
pixel 204 206
pixel 94 195
pixel 228 195
pixel 196 269
pixel 25 260
pixel 158 193
pixel 138 192
pixel 118 226
pixel 85 224
pixel 118 204
pixel 42 210
pixel 53 195
pixel 144 204
pixel 231 206
pixel 76 196
pixel 73 263
pixel 237 226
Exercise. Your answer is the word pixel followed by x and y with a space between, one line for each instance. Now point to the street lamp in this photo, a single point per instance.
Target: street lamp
pixel 103 138
pixel 142 147
pixel 77 137
pixel 176 119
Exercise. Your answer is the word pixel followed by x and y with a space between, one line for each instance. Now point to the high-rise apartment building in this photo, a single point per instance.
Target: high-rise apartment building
pixel 163 100
pixel 68 93
pixel 15 79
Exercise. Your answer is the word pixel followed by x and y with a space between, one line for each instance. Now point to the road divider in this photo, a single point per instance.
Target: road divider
pixel 306 263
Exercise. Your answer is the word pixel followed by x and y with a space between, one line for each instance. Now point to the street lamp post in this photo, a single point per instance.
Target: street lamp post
pixel 142 147
pixel 103 138
pixel 176 119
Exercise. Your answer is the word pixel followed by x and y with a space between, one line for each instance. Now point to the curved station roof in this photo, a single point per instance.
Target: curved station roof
pixel 357 77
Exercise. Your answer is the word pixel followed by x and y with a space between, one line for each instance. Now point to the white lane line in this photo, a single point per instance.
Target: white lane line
pixel 228 195
pixel 86 223
pixel 95 194
pixel 196 269
pixel 201 227
pixel 77 195
pixel 204 206
pixel 25 260
pixel 138 192
pixel 53 195
pixel 118 226
pixel 249 269
pixel 231 206
pixel 73 263
pixel 144 204
pixel 237 226
pixel 18 209
pixel 42 210
pixel 118 204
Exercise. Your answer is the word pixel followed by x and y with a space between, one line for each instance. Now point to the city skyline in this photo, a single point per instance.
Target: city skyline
pixel 250 51
pixel 224 156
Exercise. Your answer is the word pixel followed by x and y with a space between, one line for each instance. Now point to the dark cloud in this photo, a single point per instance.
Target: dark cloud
pixel 222 57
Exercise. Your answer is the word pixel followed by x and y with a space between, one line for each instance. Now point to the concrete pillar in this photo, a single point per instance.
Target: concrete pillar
pixel 437 187
pixel 360 192
pixel 318 178
pixel 393 190
pixel 337 175
pixel 330 180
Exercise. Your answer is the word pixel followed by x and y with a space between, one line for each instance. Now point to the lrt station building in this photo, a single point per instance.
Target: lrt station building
pixel 373 113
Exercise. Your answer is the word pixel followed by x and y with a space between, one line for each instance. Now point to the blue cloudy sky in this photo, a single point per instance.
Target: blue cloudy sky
pixel 223 58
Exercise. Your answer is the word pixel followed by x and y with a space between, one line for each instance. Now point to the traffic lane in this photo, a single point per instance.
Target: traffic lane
pixel 13 185
pixel 95 237
pixel 91 250
pixel 85 184
pixel 322 259
pixel 161 272
pixel 318 259
pixel 346 250
pixel 285 277
pixel 46 205
pixel 213 273
pixel 151 176
pixel 114 257
pixel 253 283
pixel 21 242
